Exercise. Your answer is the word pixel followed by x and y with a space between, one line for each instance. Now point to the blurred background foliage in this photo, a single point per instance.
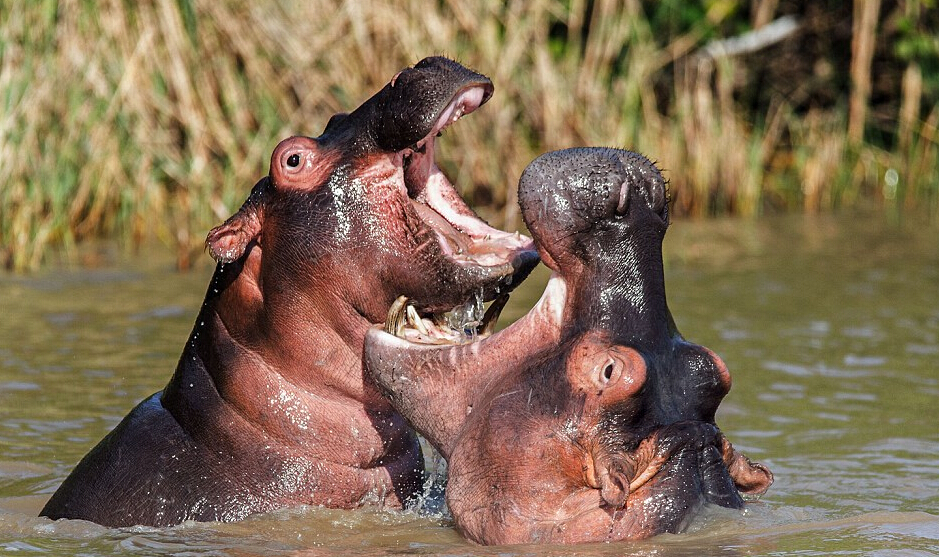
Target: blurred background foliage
pixel 143 119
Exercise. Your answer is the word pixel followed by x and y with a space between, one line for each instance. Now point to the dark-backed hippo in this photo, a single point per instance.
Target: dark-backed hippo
pixel 590 418
pixel 269 405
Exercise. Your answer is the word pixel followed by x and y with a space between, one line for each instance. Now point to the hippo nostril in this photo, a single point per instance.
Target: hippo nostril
pixel 293 161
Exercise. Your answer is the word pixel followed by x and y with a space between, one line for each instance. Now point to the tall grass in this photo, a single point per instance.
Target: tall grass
pixel 152 119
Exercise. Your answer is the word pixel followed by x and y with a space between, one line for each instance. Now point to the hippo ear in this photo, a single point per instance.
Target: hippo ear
pixel 228 241
pixel 334 121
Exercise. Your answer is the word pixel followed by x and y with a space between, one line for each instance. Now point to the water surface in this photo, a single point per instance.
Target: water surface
pixel 829 325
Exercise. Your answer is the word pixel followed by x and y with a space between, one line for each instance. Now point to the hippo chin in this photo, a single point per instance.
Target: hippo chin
pixel 590 418
pixel 269 406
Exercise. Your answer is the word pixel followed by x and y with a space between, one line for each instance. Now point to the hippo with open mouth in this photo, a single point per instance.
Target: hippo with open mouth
pixel 269 406
pixel 590 418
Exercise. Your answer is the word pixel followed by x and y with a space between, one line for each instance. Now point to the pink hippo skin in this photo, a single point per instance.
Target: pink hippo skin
pixel 591 418
pixel 269 406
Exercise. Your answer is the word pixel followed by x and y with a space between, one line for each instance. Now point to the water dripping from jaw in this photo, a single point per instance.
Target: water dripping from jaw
pixel 466 319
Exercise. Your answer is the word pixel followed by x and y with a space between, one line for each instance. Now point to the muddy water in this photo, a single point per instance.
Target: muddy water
pixel 830 327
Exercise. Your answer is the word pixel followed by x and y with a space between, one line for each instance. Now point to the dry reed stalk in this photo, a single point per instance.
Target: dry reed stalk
pixel 823 156
pixel 910 99
pixel 153 119
pixel 922 163
pixel 863 40
pixel 762 12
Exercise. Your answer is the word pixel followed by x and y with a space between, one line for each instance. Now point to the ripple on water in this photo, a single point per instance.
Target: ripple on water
pixel 922 349
pixel 18 386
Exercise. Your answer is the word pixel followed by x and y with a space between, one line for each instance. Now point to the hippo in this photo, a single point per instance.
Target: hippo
pixel 590 418
pixel 269 406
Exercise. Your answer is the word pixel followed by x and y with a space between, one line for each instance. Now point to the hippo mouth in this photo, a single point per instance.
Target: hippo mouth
pixel 472 323
pixel 664 481
pixel 494 259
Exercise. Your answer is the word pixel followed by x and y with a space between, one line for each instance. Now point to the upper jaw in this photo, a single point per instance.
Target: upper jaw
pixel 484 259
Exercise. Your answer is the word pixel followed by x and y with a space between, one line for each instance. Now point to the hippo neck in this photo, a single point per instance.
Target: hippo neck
pixel 624 292
pixel 288 373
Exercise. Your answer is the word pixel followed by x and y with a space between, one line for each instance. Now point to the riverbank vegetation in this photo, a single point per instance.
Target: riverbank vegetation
pixel 153 118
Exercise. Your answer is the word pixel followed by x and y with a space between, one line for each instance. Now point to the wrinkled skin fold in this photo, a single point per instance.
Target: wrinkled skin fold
pixel 269 406
pixel 591 418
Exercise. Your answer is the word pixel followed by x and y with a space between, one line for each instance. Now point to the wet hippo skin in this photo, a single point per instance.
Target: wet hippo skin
pixel 269 406
pixel 591 418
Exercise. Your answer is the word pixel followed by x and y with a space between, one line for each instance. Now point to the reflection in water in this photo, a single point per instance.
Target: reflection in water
pixel 830 328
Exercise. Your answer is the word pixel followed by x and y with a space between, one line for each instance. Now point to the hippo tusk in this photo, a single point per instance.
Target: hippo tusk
pixel 653 459
pixel 404 321
pixel 415 320
pixel 491 317
pixel 618 479
pixel 394 323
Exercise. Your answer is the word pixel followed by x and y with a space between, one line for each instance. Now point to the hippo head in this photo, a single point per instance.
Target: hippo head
pixel 590 418
pixel 364 204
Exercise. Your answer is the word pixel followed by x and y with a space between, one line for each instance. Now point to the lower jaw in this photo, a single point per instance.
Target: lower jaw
pixel 643 517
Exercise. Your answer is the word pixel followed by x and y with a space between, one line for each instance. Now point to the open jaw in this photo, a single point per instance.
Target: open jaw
pixel 496 258
pixel 472 326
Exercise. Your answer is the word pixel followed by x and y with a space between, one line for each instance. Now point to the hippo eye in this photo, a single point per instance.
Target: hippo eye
pixel 606 373
pixel 293 161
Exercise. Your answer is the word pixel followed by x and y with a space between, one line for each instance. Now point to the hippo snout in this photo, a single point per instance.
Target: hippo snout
pixel 412 103
pixel 687 464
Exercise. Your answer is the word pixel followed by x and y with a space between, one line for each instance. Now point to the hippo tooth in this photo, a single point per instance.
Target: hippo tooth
pixel 394 323
pixel 488 325
pixel 415 320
